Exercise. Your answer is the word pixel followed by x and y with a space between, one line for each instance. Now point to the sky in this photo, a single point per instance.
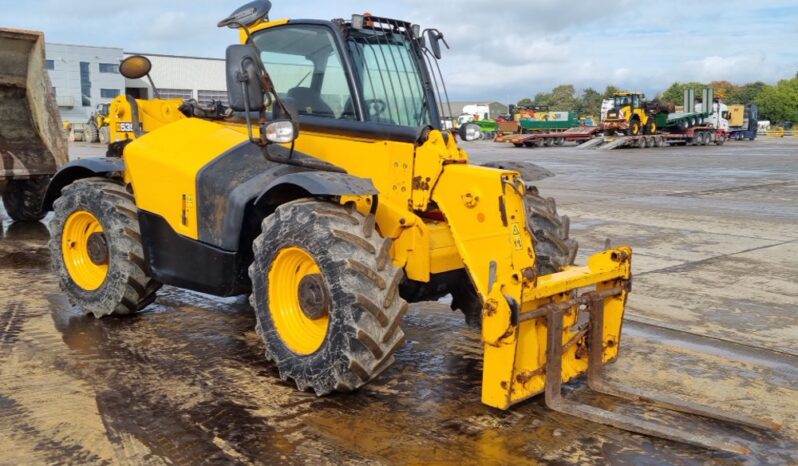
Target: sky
pixel 501 51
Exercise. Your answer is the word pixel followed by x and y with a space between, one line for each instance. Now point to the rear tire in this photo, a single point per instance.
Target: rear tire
pixel 105 135
pixel 361 302
pixel 23 199
pixel 90 133
pixel 126 288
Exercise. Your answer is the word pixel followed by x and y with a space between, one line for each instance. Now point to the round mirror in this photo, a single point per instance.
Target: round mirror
pixel 135 67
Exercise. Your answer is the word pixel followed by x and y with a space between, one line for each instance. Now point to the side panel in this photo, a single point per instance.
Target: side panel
pixel 163 167
pixel 176 260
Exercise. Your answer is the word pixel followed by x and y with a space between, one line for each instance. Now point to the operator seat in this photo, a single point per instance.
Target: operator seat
pixel 309 102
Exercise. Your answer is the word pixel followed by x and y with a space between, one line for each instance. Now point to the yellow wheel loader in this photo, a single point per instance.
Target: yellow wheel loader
pixel 632 114
pixel 97 128
pixel 333 230
pixel 32 141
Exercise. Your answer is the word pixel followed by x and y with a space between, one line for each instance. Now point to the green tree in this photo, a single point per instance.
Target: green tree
pixel 746 94
pixel 525 102
pixel 610 91
pixel 723 89
pixel 542 99
pixel 563 98
pixel 779 103
pixel 675 93
pixel 589 102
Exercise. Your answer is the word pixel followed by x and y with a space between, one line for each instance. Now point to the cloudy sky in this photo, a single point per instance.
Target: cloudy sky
pixel 502 50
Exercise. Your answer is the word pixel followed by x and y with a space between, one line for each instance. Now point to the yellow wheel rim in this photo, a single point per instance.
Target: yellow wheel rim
pixel 79 226
pixel 299 332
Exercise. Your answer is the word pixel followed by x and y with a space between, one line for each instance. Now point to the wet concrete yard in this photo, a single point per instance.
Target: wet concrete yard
pixel 712 318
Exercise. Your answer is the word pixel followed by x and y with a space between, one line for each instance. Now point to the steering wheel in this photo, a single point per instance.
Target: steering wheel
pixel 376 107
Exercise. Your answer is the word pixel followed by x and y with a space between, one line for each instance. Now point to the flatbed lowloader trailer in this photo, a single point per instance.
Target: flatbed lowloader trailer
pixel 557 138
pixel 694 136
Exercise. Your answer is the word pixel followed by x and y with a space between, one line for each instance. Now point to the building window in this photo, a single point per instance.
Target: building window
pixel 85 84
pixel 176 93
pixel 49 64
pixel 109 93
pixel 206 97
pixel 109 68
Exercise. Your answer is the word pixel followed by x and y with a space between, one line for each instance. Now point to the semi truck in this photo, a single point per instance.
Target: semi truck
pixel 743 121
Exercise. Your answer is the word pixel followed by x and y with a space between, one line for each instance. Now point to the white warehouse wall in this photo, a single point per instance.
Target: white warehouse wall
pixel 66 79
pixel 189 74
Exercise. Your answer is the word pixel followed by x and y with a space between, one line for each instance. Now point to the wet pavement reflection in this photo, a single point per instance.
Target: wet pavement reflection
pixel 185 382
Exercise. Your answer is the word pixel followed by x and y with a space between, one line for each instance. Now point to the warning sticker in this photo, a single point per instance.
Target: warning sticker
pixel 517 242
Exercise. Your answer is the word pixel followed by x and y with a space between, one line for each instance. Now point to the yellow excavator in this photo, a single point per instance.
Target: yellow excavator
pixel 329 192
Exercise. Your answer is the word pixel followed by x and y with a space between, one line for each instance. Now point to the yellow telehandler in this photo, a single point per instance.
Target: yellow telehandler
pixel 334 229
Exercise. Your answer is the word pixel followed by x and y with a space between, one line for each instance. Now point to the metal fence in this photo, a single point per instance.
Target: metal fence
pixel 779 133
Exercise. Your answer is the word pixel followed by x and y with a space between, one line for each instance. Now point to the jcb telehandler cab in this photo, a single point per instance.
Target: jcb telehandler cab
pixel 332 231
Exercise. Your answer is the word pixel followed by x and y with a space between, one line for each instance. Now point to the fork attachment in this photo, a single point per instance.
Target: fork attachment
pixel 594 301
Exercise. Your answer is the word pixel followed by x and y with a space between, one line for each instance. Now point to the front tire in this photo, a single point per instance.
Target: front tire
pixel 96 250
pixel 550 231
pixel 634 127
pixel 554 250
pixel 23 199
pixel 326 296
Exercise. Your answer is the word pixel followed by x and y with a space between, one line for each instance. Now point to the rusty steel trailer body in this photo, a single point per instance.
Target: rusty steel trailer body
pixel 554 138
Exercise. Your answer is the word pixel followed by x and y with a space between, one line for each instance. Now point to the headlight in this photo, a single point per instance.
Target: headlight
pixel 280 132
pixel 470 132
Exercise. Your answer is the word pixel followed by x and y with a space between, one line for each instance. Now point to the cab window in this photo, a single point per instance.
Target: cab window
pixel 305 65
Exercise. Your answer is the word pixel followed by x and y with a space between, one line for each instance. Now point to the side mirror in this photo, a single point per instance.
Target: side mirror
pixel 135 67
pixel 244 86
pixel 435 37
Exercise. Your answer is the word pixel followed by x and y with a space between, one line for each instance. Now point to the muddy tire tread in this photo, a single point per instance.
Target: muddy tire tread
pixel 127 288
pixel 365 324
pixel 553 247
pixel 23 199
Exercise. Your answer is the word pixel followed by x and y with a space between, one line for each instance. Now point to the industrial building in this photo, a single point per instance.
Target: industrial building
pixel 86 76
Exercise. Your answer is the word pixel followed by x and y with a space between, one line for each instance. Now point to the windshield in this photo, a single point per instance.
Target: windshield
pixel 622 100
pixel 391 82
pixel 305 65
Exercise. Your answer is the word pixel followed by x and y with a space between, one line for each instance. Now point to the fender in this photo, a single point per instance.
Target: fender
pixel 283 189
pixel 529 171
pixel 243 178
pixel 108 167
pixel 318 183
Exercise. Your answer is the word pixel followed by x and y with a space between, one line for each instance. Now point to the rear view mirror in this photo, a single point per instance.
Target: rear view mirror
pixel 435 37
pixel 135 67
pixel 244 86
